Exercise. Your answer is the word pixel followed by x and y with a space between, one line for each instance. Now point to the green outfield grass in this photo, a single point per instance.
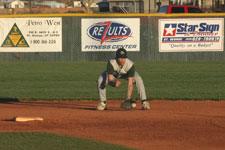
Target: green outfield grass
pixel 77 80
pixel 45 141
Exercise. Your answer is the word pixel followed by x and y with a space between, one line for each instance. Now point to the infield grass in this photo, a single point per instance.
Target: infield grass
pixel 77 80
pixel 45 141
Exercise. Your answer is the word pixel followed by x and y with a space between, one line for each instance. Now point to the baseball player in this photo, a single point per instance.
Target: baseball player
pixel 120 67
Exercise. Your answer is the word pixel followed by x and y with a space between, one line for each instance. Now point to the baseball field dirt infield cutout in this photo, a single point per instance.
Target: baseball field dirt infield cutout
pixel 24 119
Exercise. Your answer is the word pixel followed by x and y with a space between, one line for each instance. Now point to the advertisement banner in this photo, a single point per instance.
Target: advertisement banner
pixel 191 34
pixel 30 34
pixel 109 34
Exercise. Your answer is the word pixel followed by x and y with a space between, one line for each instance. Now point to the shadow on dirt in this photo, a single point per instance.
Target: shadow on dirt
pixel 64 105
pixel 12 120
pixel 8 100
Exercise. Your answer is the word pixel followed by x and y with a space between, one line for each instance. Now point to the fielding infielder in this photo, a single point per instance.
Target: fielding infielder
pixel 120 68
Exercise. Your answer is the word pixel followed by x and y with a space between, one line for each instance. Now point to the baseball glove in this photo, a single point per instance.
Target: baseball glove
pixel 128 104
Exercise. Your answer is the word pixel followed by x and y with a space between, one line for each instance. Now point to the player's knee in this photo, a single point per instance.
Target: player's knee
pixel 138 79
pixel 100 83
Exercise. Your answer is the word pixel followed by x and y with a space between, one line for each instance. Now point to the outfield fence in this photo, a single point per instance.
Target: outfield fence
pixel 95 37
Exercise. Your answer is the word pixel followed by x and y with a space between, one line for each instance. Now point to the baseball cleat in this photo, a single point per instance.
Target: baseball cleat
pixel 145 105
pixel 102 106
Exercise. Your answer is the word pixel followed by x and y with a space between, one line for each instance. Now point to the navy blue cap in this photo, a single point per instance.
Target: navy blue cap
pixel 121 53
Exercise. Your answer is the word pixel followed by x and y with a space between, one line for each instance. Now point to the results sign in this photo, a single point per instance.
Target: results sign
pixel 110 34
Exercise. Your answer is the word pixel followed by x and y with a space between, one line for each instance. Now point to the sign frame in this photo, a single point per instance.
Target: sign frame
pixel 31 34
pixel 91 43
pixel 189 41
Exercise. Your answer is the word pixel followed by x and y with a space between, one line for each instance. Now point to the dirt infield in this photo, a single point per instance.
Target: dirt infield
pixel 169 125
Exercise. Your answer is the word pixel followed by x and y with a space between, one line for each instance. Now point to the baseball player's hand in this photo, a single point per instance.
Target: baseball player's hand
pixel 117 83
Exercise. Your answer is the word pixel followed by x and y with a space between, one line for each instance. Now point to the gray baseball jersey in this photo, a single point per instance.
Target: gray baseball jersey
pixel 127 70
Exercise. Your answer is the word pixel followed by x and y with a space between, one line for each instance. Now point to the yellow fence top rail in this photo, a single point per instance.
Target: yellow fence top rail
pixel 114 15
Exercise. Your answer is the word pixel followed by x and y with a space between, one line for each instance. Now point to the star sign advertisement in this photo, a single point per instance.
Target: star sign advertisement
pixel 110 34
pixel 191 35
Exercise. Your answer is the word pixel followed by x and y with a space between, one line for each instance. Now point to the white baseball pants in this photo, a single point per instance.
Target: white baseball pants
pixel 103 80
